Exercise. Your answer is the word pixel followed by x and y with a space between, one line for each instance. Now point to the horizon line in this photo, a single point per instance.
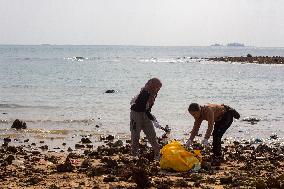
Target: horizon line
pixel 212 45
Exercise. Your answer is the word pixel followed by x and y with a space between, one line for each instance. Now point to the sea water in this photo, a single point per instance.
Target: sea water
pixel 60 89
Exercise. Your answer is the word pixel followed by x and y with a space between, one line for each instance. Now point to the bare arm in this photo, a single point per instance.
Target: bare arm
pixel 210 118
pixel 195 129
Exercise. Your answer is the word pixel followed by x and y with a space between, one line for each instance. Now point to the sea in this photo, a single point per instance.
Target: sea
pixel 60 90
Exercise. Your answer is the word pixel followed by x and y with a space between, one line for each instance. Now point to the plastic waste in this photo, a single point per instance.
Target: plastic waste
pixel 176 157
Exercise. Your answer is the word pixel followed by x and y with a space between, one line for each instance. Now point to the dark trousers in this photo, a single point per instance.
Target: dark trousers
pixel 220 127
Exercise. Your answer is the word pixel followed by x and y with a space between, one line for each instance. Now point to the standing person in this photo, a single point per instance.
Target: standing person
pixel 141 117
pixel 219 117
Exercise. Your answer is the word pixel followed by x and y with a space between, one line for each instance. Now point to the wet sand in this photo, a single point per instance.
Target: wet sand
pixel 245 165
pixel 251 59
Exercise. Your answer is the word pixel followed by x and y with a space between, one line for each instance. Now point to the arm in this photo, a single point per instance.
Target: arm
pixel 195 129
pixel 210 118
pixel 151 100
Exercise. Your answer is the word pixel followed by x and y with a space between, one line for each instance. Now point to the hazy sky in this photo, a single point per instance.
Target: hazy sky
pixel 142 22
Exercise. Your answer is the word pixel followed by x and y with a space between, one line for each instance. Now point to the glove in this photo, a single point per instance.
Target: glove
pixel 204 142
pixel 188 143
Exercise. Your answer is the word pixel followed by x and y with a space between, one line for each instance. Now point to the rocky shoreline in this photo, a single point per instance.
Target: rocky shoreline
pixel 251 59
pixel 245 165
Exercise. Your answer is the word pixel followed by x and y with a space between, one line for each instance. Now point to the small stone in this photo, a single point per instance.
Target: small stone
pixel 79 146
pixel 85 140
pixel 260 184
pixel 226 180
pixel 110 91
pixel 110 137
pixel 7 140
pixel 118 143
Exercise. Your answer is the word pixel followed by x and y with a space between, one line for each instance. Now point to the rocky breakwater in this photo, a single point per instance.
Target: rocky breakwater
pixel 251 59
pixel 245 165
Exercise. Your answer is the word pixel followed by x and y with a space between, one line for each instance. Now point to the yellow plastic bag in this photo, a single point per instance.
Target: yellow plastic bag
pixel 176 157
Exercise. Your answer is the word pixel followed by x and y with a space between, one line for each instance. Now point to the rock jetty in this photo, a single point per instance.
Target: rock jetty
pixel 251 59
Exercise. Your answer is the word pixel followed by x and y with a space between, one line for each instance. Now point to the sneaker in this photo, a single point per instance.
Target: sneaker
pixel 216 162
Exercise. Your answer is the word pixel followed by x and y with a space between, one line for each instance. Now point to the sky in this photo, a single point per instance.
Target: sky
pixel 142 22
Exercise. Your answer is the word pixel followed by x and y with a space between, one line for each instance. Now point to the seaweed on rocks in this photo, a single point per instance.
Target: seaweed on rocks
pixel 65 167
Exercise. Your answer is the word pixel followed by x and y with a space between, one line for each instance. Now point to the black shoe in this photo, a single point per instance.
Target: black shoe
pixel 215 162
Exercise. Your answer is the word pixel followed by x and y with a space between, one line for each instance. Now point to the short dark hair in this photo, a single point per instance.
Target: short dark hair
pixel 193 107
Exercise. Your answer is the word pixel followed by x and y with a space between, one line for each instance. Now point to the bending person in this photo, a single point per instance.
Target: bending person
pixel 219 117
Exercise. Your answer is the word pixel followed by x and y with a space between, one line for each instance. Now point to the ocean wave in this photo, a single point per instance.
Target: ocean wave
pixel 25 106
pixel 170 60
pixel 96 58
pixel 76 58
pixel 84 121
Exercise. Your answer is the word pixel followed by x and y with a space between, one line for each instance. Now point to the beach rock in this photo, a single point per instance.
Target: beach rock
pixel 79 146
pixel 274 137
pixel 74 155
pixel 35 152
pixel 118 143
pixel 85 140
pixel 226 180
pixel 181 183
pixel 9 159
pixel 110 178
pixel 110 91
pixel 53 186
pixel 7 140
pixel 97 171
pixel 5 144
pixel 12 149
pixel 251 59
pixel 17 124
pixel 273 182
pixel 258 140
pixel 45 147
pixel 65 167
pixel 86 163
pixel 34 180
pixel 110 137
pixel 140 177
pixel 110 163
pixel 197 184
pixel 163 184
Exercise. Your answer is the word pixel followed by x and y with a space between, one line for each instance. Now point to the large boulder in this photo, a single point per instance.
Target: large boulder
pixel 17 124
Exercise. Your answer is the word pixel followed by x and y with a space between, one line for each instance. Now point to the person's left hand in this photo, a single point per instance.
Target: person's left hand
pixel 204 142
